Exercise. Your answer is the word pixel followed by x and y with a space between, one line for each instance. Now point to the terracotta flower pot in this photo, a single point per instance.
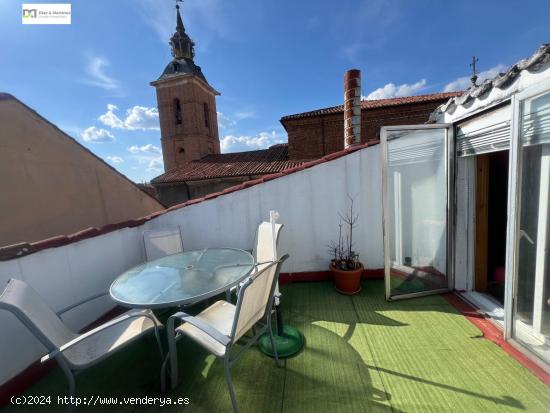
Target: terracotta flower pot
pixel 347 282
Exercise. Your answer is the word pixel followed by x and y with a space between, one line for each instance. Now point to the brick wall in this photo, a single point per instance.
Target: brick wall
pixel 314 137
pixel 191 139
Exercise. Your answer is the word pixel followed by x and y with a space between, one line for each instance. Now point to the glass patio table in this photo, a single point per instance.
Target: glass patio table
pixel 182 279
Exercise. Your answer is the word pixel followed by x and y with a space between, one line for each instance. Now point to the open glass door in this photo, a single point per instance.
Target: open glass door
pixel 528 267
pixel 417 194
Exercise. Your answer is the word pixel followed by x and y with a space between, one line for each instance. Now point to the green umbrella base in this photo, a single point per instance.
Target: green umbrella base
pixel 288 345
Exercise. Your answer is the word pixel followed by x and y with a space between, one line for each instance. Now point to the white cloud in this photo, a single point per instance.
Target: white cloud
pixel 231 143
pixel 97 135
pixel 141 117
pixel 155 165
pixel 225 122
pixel 244 114
pixel 95 70
pixel 114 159
pixel 137 118
pixel 149 155
pixel 110 119
pixel 149 148
pixel 391 90
pixel 463 83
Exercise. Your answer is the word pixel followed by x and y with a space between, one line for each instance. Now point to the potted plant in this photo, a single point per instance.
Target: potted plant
pixel 345 265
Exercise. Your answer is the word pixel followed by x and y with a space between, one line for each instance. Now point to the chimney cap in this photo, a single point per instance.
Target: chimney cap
pixel 352 73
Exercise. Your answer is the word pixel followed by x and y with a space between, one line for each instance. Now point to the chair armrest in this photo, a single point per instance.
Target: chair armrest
pixel 54 353
pixel 219 267
pixel 201 325
pixel 256 265
pixel 70 307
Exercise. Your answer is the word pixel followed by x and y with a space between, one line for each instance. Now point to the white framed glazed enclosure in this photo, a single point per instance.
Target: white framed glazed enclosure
pixel 527 302
pixel 433 168
pixel 417 170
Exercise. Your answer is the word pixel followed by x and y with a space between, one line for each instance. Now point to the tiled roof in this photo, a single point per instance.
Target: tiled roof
pixel 502 81
pixel 261 162
pixel 379 103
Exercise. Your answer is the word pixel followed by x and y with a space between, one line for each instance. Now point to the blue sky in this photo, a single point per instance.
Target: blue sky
pixel 267 58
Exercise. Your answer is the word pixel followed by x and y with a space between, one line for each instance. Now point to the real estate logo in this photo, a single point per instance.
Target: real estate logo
pixel 46 13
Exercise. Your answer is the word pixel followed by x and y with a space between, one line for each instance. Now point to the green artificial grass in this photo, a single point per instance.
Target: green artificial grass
pixel 362 354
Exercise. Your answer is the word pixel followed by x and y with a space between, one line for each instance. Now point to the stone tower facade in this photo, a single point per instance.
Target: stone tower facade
pixel 186 104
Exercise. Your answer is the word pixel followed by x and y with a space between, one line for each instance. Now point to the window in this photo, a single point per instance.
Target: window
pixel 206 115
pixel 532 284
pixel 177 111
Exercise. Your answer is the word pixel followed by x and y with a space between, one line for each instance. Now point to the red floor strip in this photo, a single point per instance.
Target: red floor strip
pixel 493 333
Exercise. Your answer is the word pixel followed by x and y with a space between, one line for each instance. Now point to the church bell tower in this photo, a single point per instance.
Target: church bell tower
pixel 186 104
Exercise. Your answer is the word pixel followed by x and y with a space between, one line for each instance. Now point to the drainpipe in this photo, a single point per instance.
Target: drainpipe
pixel 352 108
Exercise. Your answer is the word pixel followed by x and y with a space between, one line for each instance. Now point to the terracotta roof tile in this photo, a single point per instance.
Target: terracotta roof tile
pixel 260 162
pixel 379 103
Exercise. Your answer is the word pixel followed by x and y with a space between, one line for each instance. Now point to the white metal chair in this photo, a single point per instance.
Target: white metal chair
pixel 265 251
pixel 264 248
pixel 74 352
pixel 222 324
pixel 161 242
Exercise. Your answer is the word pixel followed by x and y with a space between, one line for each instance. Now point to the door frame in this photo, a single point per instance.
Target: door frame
pixel 450 171
pixel 514 202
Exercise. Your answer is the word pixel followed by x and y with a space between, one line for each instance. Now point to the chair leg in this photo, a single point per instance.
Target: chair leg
pixel 163 373
pixel 228 296
pixel 71 382
pixel 159 345
pixel 172 353
pixel 229 383
pixel 272 339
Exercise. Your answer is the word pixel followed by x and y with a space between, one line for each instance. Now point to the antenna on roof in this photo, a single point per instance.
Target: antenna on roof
pixel 474 70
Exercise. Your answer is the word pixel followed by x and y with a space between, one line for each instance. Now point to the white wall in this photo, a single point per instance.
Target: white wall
pixel 63 276
pixel 308 202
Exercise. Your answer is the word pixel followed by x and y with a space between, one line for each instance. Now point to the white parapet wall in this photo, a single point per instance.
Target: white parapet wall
pixel 308 201
pixel 64 276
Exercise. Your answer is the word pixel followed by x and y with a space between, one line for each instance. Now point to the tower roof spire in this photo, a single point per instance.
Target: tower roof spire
pixel 179 21
pixel 181 43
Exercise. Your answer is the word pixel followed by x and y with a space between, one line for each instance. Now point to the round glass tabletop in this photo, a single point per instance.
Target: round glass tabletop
pixel 182 279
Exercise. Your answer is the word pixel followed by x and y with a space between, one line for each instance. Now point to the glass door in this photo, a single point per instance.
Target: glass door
pixel 417 195
pixel 528 270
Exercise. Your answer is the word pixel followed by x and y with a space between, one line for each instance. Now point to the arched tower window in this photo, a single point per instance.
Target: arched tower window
pixel 177 111
pixel 206 115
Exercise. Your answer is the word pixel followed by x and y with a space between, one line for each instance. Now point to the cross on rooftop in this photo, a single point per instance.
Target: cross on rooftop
pixel 474 69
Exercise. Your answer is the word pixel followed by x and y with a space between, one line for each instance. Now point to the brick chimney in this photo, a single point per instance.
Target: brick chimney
pixel 352 108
